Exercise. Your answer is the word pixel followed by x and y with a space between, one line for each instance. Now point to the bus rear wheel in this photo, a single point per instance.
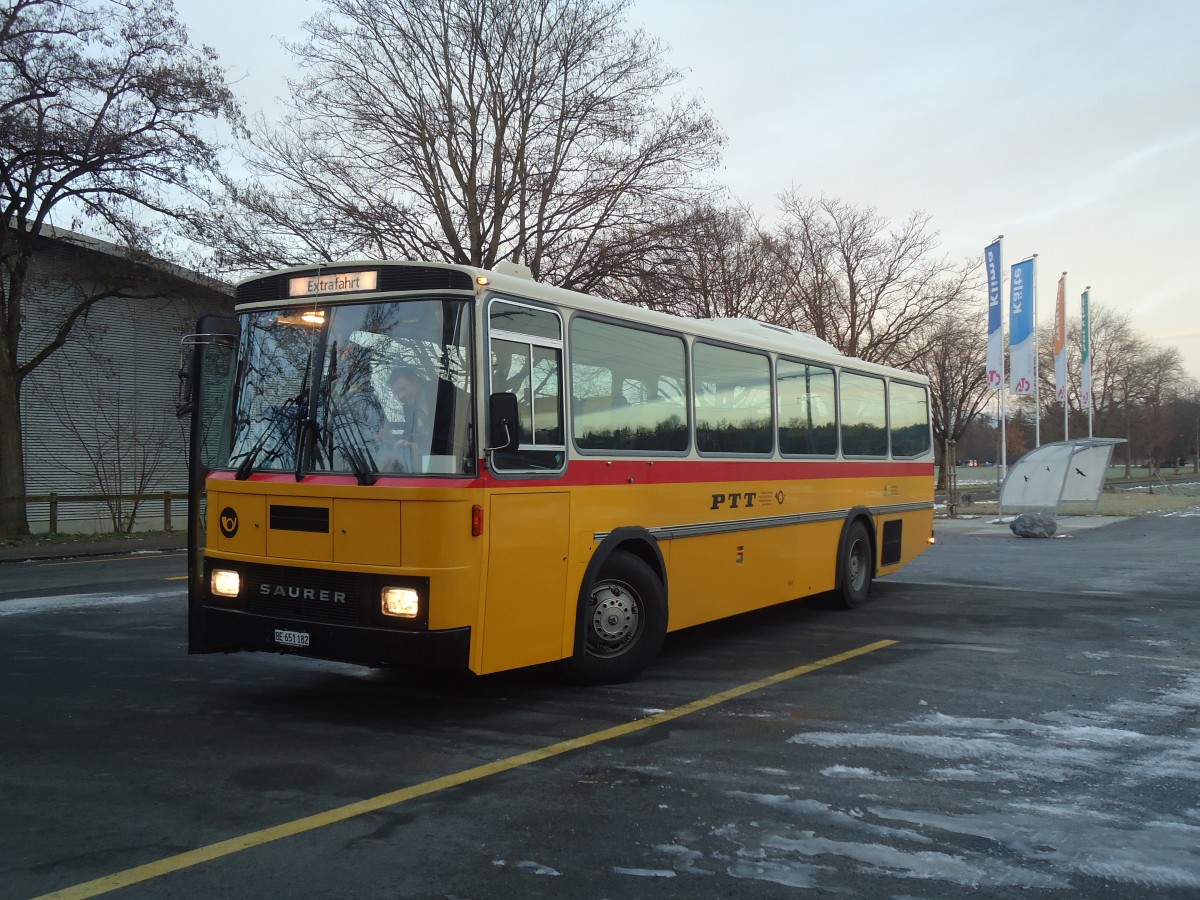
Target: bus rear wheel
pixel 624 622
pixel 855 566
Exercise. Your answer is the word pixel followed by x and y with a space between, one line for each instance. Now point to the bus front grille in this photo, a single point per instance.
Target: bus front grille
pixel 306 594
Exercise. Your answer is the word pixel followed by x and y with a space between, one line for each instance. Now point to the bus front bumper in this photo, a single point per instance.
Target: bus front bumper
pixel 229 631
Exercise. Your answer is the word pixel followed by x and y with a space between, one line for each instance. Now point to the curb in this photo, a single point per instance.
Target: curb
pixel 89 549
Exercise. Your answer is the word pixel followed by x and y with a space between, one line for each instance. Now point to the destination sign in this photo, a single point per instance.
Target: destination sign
pixel 336 283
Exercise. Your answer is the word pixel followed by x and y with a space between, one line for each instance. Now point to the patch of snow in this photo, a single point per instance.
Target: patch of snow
pixel 536 868
pixel 1077 839
pixel 962 773
pixel 1046 822
pixel 685 858
pixel 852 772
pixel 645 873
pixel 67 603
pixel 924 864
pixel 789 875
pixel 1056 762
pixel 813 810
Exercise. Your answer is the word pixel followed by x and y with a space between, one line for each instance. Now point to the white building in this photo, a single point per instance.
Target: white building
pixel 98 417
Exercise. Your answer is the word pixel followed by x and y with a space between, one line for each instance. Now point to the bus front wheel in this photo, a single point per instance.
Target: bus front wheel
pixel 624 622
pixel 855 566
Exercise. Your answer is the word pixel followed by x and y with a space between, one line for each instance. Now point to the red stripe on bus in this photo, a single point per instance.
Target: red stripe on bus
pixel 605 472
pixel 598 472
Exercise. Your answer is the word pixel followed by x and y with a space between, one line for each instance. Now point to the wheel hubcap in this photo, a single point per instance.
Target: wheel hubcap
pixel 614 618
pixel 856 565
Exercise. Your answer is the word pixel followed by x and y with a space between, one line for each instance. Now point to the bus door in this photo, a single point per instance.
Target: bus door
pixel 528 527
pixel 525 606
pixel 206 396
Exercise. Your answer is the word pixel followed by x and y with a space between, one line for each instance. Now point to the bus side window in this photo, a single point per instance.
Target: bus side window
pixel 864 415
pixel 733 400
pixel 526 356
pixel 627 389
pixel 908 419
pixel 807 423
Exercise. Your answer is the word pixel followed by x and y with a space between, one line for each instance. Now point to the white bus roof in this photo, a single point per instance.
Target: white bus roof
pixel 744 331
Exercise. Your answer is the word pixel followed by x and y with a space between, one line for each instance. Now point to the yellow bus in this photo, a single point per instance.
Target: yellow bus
pixel 437 465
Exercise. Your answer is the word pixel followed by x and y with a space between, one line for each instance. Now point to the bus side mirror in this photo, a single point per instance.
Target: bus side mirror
pixel 504 433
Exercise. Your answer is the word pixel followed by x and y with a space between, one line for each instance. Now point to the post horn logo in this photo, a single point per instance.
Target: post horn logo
pixel 229 522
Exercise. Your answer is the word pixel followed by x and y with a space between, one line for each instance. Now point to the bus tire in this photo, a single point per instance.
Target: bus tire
pixel 624 621
pixel 855 566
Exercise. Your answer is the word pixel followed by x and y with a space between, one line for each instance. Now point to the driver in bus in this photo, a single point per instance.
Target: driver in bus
pixel 427 428
pixel 404 442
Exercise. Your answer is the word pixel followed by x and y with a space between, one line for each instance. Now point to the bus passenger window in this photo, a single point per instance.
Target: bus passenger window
pixel 908 406
pixel 628 389
pixel 807 410
pixel 733 400
pixel 864 415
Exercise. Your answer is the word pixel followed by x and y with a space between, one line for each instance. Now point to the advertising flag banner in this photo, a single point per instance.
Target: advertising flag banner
pixel 1085 355
pixel 995 341
pixel 1022 340
pixel 1060 341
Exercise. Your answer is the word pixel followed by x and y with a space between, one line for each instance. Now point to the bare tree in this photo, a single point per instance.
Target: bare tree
pixel 1135 384
pixel 471 131
pixel 866 286
pixel 101 103
pixel 122 445
pixel 954 359
pixel 709 262
pixel 1150 421
pixel 1186 412
pixel 1118 353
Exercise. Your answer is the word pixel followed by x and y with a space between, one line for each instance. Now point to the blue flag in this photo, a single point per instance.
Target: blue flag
pixel 1022 301
pixel 995 342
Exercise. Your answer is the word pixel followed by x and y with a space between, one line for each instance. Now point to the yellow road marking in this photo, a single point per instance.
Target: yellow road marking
pixel 394 798
pixel 177 578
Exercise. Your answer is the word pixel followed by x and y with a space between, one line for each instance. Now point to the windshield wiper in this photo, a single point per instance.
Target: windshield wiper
pixel 348 438
pixel 342 433
pixel 279 427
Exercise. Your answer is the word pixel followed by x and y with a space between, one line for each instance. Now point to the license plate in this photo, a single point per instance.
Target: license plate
pixel 291 638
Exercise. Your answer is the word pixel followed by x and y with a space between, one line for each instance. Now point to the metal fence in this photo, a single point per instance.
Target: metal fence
pixel 55 500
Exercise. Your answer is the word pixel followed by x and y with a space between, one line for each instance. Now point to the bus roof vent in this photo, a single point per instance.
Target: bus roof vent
pixel 516 270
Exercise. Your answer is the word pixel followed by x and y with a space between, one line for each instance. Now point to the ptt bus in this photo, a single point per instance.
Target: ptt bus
pixel 580 478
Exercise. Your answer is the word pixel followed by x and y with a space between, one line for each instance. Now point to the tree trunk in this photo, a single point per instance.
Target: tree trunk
pixel 13 520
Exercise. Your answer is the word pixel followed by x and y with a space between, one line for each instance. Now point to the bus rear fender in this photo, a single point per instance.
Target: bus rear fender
pixel 858 513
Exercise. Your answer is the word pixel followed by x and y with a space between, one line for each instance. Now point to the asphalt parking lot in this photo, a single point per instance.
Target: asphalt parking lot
pixel 1005 718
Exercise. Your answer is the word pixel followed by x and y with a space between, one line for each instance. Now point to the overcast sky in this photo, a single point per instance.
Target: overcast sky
pixel 1072 127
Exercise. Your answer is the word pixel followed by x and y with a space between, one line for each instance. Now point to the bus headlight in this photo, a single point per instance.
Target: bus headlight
pixel 225 583
pixel 402 602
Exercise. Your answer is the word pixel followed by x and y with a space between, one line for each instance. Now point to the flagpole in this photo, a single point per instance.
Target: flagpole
pixel 1062 311
pixel 1087 343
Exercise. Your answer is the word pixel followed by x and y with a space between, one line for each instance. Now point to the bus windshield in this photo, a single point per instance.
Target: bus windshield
pixel 362 389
